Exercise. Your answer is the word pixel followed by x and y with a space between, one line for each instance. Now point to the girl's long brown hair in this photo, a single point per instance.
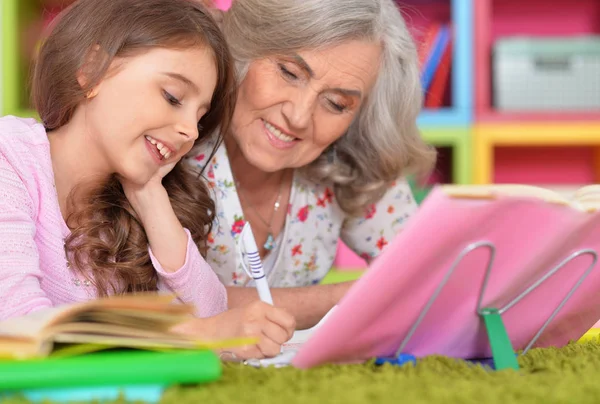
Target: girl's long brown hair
pixel 108 244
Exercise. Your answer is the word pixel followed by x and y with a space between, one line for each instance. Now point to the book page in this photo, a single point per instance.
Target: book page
pixel 141 316
pixel 150 305
pixel 589 197
pixel 122 337
pixel 23 348
pixel 517 190
pixel 31 325
pixel 152 311
pixel 97 330
pixel 22 337
pixel 154 321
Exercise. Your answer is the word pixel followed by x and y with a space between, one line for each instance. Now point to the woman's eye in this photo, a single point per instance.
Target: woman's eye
pixel 287 73
pixel 336 106
pixel 171 99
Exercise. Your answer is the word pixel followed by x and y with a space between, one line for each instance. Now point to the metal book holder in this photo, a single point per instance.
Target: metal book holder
pixel 503 355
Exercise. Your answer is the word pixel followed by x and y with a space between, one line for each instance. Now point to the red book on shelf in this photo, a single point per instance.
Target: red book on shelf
pixel 427 42
pixel 435 96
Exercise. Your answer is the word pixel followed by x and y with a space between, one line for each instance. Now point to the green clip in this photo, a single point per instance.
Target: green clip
pixel 503 353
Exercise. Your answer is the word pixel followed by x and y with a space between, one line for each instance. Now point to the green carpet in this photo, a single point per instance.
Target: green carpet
pixel 567 375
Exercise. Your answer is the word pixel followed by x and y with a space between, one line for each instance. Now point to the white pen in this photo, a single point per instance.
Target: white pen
pixel 256 270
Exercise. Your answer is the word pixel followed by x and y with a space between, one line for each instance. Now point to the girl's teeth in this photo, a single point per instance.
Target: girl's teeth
pixel 277 133
pixel 162 149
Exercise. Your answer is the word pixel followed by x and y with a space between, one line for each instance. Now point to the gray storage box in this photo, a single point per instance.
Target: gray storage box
pixel 541 74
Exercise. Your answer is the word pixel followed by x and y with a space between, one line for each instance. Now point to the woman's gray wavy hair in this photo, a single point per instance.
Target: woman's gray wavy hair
pixel 383 143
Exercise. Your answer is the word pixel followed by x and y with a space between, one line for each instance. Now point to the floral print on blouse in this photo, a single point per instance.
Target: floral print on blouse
pixel 313 226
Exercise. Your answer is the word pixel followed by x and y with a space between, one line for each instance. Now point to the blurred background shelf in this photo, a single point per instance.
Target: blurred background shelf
pixel 498 19
pixel 456 141
pixel 447 115
pixel 555 147
pixel 20 21
pixel 559 153
pixel 421 14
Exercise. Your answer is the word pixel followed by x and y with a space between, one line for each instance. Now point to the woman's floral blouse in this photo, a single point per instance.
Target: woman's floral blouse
pixel 306 247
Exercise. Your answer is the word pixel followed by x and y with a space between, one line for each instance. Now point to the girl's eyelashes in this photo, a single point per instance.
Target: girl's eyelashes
pixel 171 99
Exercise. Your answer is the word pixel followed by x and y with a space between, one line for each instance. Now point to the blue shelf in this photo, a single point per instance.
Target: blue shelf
pixel 462 70
pixel 444 117
pixel 461 111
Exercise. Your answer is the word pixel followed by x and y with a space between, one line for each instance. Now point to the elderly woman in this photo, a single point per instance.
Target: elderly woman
pixel 323 134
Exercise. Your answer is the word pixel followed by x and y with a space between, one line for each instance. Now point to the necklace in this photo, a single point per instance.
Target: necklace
pixel 270 242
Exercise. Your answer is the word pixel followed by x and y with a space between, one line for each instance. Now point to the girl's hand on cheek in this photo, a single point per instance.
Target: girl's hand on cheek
pixel 168 240
pixel 142 197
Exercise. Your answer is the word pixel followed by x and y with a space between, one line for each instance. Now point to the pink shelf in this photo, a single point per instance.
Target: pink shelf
pixel 498 18
pixel 544 165
pixel 420 13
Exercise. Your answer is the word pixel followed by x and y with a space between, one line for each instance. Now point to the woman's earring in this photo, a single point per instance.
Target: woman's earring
pixel 91 94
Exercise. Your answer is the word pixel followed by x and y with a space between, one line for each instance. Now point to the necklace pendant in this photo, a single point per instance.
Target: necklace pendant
pixel 270 243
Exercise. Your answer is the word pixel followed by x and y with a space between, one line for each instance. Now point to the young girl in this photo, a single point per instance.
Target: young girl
pixel 94 201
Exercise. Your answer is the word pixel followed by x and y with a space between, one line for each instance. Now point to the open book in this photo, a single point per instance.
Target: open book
pixel 130 321
pixel 586 198
pixel 529 254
